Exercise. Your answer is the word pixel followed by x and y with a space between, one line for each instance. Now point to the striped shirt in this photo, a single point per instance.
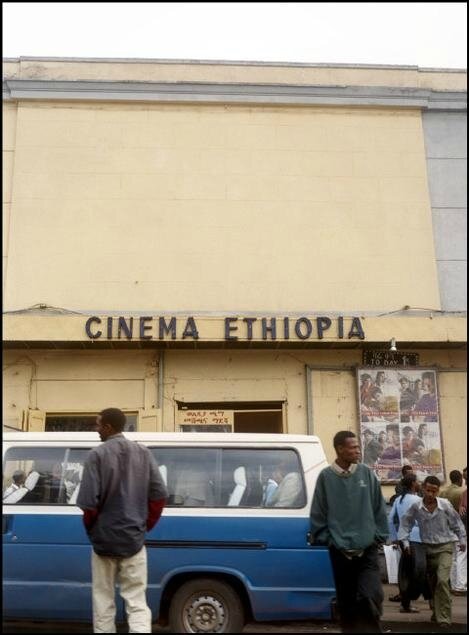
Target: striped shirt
pixel 440 526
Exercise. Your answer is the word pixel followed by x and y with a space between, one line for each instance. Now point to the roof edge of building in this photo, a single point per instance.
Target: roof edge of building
pixel 201 92
pixel 217 62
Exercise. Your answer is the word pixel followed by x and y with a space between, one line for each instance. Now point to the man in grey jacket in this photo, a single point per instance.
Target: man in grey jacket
pixel 122 495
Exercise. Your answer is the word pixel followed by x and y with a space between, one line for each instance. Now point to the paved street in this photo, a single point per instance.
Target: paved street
pixel 393 622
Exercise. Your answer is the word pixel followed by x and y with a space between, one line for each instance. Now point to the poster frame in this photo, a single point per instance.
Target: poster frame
pixel 403 370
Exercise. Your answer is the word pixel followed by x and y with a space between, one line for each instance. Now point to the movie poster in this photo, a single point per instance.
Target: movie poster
pixel 399 422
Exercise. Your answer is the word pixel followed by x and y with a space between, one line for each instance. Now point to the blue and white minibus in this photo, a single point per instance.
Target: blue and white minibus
pixel 231 546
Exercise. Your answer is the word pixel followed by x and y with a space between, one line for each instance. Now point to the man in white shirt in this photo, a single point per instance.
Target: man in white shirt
pixel 289 489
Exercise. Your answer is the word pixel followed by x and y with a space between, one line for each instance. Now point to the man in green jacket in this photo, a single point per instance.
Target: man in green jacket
pixel 348 514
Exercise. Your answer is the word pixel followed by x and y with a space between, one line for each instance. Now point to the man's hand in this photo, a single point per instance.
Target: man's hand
pixel 407 551
pixel 462 547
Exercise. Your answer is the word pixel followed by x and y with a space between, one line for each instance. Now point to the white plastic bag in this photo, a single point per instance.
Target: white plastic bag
pixel 392 555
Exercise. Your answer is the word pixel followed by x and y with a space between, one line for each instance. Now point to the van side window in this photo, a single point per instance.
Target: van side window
pixel 224 477
pixel 190 475
pixel 42 476
pixel 262 478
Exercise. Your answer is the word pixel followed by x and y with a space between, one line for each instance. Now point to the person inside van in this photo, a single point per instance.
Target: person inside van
pixel 289 487
pixel 17 481
pixel 26 488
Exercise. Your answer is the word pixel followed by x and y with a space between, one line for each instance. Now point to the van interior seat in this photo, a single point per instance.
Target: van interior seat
pixel 164 473
pixel 74 495
pixel 33 489
pixel 16 496
pixel 239 476
pixel 31 480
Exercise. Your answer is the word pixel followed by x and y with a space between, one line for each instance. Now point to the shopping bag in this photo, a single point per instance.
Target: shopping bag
pixel 392 556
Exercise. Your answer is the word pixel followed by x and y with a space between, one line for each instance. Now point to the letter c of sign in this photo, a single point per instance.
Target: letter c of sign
pixel 92 336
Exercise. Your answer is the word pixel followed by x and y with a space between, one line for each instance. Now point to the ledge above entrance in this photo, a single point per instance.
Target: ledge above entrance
pixel 88 331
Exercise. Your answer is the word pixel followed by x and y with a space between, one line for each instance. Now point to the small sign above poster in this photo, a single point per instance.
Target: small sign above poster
pixel 390 358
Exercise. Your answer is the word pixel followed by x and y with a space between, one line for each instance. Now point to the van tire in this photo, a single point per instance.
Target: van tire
pixel 212 604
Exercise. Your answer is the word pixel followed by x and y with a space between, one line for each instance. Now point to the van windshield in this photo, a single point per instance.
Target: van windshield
pixel 225 477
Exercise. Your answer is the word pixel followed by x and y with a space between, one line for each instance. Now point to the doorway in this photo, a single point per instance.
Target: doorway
pixel 251 417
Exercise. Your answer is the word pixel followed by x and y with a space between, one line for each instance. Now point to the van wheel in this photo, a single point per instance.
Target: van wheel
pixel 205 605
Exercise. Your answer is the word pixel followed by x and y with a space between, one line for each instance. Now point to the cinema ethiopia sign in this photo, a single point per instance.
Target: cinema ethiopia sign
pixel 229 328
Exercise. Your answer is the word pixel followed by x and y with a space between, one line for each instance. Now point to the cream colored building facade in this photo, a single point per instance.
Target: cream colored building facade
pixel 280 215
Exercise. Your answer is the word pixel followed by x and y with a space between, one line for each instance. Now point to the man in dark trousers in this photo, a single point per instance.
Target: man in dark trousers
pixel 122 495
pixel 348 514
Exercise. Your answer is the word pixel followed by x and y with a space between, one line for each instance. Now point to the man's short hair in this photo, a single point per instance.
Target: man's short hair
pixel 114 417
pixel 455 477
pixel 406 468
pixel 18 476
pixel 339 438
pixel 432 480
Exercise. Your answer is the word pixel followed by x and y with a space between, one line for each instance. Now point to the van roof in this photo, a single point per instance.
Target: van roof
pixel 200 437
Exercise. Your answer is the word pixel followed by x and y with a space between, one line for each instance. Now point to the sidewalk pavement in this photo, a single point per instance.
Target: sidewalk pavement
pixel 391 609
pixel 392 622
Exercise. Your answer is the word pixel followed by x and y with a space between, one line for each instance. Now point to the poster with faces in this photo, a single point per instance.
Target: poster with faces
pixel 400 421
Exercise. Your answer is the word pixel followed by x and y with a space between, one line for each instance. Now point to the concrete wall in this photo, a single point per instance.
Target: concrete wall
pixel 205 208
pixel 9 140
pixel 61 382
pixel 446 152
